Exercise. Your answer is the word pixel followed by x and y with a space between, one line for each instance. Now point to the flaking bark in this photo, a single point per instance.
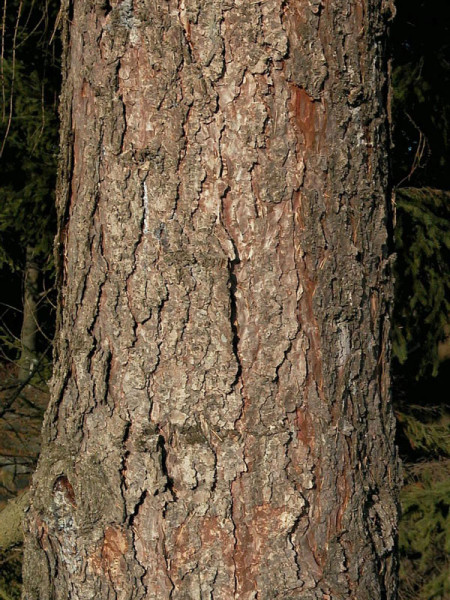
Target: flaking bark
pixel 220 424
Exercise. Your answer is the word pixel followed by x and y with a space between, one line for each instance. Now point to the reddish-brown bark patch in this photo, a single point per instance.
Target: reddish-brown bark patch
pixel 63 485
pixel 304 114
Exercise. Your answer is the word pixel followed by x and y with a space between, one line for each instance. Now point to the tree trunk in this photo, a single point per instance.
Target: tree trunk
pixel 29 331
pixel 220 423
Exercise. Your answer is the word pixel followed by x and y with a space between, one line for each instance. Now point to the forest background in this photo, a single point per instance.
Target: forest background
pixel 420 112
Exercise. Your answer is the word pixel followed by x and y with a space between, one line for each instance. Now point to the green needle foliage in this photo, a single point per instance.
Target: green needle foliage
pixel 28 171
pixel 11 574
pixel 428 434
pixel 421 163
pixel 425 532
pixel 29 75
pixel 29 88
pixel 422 306
pixel 424 535
pixel 29 84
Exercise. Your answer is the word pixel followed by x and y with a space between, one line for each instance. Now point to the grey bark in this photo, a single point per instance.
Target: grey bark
pixel 29 329
pixel 220 424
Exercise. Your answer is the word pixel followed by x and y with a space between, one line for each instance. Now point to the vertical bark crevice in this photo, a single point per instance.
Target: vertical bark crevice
pixel 233 286
pixel 221 389
pixel 161 446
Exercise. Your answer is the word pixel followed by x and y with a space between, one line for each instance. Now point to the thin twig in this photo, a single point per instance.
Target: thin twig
pixel 11 307
pixel 10 401
pixel 2 60
pixel 421 147
pixel 13 73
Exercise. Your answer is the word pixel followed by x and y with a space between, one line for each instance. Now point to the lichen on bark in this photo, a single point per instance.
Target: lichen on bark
pixel 220 423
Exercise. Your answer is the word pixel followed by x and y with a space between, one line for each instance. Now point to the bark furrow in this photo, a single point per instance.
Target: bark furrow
pixel 220 424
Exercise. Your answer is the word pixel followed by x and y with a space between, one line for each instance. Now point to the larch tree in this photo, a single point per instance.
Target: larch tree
pixel 220 424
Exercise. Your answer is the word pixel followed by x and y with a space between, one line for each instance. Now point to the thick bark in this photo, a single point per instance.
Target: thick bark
pixel 220 424
pixel 29 330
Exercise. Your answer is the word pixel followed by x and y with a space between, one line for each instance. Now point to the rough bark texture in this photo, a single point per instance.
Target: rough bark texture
pixel 220 424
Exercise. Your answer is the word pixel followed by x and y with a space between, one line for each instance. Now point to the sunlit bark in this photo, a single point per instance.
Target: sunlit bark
pixel 220 424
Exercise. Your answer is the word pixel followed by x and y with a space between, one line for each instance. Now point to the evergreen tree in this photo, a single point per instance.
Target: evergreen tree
pixel 421 115
pixel 29 84
pixel 29 73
